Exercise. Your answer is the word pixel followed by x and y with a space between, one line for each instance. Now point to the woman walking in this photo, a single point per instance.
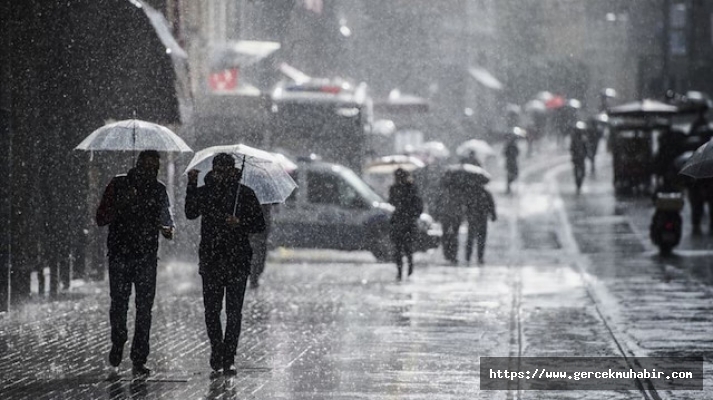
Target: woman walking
pixel 408 206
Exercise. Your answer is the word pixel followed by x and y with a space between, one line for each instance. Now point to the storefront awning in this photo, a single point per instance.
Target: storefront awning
pixel 241 53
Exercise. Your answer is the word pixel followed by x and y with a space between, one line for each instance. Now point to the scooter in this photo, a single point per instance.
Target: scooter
pixel 666 223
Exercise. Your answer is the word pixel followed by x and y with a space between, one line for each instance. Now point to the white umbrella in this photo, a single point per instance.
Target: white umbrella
pixel 263 172
pixel 133 135
pixel 389 164
pixel 432 150
pixel 481 148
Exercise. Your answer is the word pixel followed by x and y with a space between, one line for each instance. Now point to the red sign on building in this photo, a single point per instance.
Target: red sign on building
pixel 225 80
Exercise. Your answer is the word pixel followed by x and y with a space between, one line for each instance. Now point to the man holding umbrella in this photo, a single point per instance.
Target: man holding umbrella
pixel 230 212
pixel 136 208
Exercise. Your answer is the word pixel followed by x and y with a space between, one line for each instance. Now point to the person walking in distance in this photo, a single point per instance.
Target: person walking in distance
pixel 449 212
pixel 230 212
pixel 511 152
pixel 578 152
pixel 479 206
pixel 136 208
pixel 408 206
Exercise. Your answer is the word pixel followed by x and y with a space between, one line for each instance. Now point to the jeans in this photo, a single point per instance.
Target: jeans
pixel 123 273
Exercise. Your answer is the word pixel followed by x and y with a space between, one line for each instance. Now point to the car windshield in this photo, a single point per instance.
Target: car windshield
pixel 360 186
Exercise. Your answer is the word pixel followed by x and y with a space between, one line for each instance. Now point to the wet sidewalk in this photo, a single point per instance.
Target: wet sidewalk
pixel 316 331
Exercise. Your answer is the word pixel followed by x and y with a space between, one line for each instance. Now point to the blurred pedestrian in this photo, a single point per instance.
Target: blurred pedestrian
pixel 594 133
pixel 578 152
pixel 136 208
pixel 479 207
pixel 700 194
pixel 259 243
pixel 511 152
pixel 408 206
pixel 230 212
pixel 449 211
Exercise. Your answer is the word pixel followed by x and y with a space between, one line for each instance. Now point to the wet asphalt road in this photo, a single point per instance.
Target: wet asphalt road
pixel 565 275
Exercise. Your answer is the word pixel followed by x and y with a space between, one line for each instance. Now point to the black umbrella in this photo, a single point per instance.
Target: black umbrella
pixel 463 175
pixel 700 164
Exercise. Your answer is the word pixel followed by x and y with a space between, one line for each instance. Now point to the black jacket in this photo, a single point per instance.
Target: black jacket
pixel 222 244
pixel 135 208
pixel 408 205
pixel 480 204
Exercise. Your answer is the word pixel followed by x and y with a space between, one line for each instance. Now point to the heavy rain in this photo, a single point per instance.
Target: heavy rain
pixel 344 199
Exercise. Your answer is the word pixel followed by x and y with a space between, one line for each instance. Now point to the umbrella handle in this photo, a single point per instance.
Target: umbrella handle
pixel 237 192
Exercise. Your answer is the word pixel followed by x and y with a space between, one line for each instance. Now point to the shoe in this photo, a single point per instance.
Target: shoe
pixel 228 362
pixel 115 355
pixel 216 361
pixel 410 270
pixel 113 375
pixel 481 261
pixel 140 371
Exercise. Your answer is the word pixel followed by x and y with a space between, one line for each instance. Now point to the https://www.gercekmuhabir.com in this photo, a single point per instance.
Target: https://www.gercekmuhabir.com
pixel 590 373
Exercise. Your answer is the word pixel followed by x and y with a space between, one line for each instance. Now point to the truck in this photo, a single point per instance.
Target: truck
pixel 328 117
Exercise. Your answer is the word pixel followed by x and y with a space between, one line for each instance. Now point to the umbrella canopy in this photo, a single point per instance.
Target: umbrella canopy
pixel 643 108
pixel 389 164
pixel 481 148
pixel 700 164
pixel 681 160
pixel 535 106
pixel 133 135
pixel 462 175
pixel 516 133
pixel 555 102
pixel 262 171
pixel 287 164
pixel 694 102
pixel 432 150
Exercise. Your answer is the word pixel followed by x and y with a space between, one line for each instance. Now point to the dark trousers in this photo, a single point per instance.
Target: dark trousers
pixel 450 227
pixel 698 201
pixel 229 283
pixel 141 273
pixel 477 228
pixel 402 238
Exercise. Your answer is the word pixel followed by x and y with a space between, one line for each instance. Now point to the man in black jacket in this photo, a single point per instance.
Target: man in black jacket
pixel 136 208
pixel 479 207
pixel 230 212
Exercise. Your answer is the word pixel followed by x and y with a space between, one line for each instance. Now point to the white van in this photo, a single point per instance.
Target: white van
pixel 333 208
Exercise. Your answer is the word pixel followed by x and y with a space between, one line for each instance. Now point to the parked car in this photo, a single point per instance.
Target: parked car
pixel 334 208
